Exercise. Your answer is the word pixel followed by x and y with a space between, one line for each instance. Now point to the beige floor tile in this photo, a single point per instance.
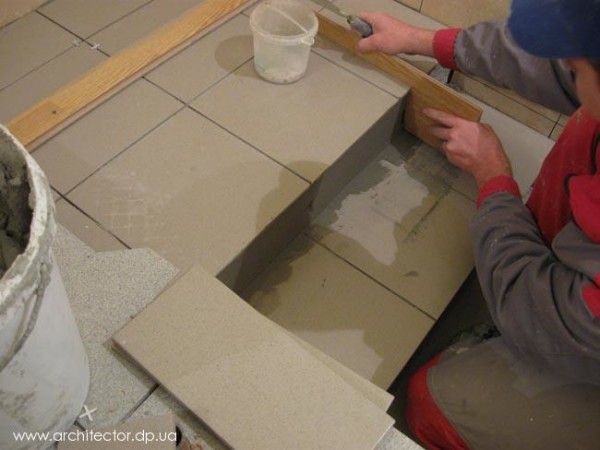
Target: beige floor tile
pixel 13 10
pixel 403 227
pixel 414 4
pixel 331 305
pixel 462 13
pixel 293 123
pixel 190 191
pixel 219 340
pixel 43 81
pixel 86 230
pixel 85 17
pixel 562 120
pixel 140 23
pixel 28 43
pixel 78 151
pixel 518 110
pixel 211 58
pixel 556 132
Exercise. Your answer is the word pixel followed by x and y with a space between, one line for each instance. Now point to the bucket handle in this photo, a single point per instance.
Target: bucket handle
pixel 310 40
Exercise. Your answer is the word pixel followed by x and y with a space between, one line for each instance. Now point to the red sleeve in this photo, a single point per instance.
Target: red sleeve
pixel 501 183
pixel 443 47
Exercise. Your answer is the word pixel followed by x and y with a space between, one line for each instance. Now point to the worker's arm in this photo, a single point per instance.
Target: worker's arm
pixel 545 302
pixel 485 50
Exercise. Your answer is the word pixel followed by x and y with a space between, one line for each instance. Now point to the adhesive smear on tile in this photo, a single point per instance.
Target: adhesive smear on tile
pixel 371 217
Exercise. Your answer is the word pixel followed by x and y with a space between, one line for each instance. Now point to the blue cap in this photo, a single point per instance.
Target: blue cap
pixel 557 28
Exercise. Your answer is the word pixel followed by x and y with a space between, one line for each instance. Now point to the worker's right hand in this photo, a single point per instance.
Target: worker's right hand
pixel 393 36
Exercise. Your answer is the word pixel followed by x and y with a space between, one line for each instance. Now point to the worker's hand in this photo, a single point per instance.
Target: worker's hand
pixel 393 36
pixel 471 146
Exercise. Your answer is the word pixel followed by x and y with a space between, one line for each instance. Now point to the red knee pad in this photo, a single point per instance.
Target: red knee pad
pixel 425 419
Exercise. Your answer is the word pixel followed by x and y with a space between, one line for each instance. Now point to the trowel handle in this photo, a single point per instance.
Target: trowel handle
pixel 364 28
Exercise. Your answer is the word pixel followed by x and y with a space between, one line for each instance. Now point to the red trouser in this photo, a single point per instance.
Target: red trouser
pixel 425 419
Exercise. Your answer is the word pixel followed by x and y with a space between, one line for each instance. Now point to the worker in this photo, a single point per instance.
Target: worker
pixel 537 385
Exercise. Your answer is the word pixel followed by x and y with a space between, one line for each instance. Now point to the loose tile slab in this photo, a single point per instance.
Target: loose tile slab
pixel 27 44
pixel 85 146
pixel 403 227
pixel 12 11
pixel 86 229
pixel 138 24
pixel 414 4
pixel 293 123
pixel 43 81
pixel 202 64
pixel 394 440
pixel 152 433
pixel 331 305
pixel 85 17
pixel 190 191
pixel 556 132
pixel 105 290
pixel 463 13
pixel 231 358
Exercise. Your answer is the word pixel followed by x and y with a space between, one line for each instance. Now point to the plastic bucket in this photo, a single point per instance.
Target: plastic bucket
pixel 283 32
pixel 44 371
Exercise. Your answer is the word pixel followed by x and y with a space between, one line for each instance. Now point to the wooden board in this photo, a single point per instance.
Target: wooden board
pixel 424 90
pixel 65 105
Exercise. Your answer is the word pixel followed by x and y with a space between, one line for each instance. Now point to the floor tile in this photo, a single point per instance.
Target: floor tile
pixel 219 339
pixel 12 11
pixel 86 229
pixel 563 120
pixel 190 191
pixel 389 222
pixel 331 305
pixel 293 123
pixel 196 68
pixel 28 43
pixel 462 13
pixel 43 81
pixel 105 290
pixel 414 4
pixel 556 132
pixel 509 106
pixel 85 146
pixel 140 23
pixel 152 433
pixel 85 17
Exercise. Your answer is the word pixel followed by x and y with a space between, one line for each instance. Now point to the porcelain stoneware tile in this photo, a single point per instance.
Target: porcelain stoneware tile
pixel 331 305
pixel 75 153
pixel 306 125
pixel 190 191
pixel 414 4
pixel 140 23
pixel 85 17
pixel 556 132
pixel 463 13
pixel 231 359
pixel 403 227
pixel 205 62
pixel 43 81
pixel 152 433
pixel 105 290
pixel 85 228
pixel 521 112
pixel 28 43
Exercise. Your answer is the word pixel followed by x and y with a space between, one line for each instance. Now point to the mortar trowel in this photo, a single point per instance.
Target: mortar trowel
pixel 356 23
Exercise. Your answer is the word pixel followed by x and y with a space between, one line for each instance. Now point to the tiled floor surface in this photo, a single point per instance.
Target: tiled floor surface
pixel 199 156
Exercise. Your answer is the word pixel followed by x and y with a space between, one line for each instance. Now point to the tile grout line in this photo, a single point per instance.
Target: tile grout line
pixel 402 298
pixel 140 402
pixel 102 227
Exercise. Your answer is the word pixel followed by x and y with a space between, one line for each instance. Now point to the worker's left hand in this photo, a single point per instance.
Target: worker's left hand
pixel 471 146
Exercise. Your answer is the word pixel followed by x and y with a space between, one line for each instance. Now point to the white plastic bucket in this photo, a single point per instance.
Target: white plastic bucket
pixel 44 371
pixel 283 32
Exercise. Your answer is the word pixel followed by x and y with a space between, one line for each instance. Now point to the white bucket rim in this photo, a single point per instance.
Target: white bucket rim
pixel 306 38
